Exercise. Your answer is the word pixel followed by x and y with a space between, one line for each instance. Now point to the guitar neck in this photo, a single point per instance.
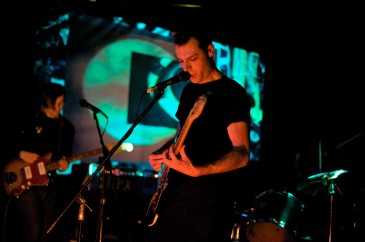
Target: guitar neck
pixel 177 147
pixel 180 139
pixel 55 164
pixel 163 181
pixel 193 114
pixel 84 155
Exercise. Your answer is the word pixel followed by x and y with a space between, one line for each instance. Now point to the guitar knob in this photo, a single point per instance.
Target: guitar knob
pixel 16 193
pixel 10 178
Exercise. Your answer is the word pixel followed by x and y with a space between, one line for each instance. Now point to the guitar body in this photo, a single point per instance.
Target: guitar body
pixel 20 175
pixel 155 204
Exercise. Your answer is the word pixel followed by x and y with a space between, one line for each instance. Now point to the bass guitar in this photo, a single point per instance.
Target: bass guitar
pixel 19 175
pixel 154 208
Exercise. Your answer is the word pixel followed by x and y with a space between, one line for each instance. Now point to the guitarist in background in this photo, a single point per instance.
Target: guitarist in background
pixel 46 131
pixel 205 176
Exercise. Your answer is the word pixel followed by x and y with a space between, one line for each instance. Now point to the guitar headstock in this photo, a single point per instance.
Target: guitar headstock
pixel 198 107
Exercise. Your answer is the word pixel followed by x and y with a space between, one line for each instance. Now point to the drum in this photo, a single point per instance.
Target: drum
pixel 275 217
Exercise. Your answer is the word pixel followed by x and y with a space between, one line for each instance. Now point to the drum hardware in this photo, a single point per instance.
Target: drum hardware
pixel 317 184
pixel 241 216
pixel 236 232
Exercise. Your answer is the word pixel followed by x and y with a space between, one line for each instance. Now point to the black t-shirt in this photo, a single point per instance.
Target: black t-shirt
pixel 44 135
pixel 207 139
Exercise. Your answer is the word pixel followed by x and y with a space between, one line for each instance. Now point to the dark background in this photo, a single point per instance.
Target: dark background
pixel 312 94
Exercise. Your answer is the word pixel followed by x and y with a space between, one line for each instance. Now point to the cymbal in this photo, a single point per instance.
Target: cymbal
pixel 320 184
pixel 327 175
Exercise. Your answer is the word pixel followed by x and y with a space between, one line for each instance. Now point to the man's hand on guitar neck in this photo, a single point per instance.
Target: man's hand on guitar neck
pixel 156 157
pixel 63 164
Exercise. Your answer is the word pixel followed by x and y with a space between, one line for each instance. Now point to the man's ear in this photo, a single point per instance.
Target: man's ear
pixel 211 50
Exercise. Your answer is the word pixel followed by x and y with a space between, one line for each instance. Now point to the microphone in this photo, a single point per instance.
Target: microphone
pixel 85 104
pixel 183 76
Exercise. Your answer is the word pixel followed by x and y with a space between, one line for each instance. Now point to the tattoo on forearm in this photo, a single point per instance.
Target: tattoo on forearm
pixel 241 150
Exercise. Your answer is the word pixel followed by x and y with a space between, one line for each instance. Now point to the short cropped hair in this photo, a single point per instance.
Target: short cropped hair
pixel 182 36
pixel 50 92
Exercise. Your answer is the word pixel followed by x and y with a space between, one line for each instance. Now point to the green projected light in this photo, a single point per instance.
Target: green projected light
pixel 107 80
pixel 168 102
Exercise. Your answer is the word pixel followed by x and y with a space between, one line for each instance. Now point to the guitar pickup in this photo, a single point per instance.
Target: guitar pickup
pixel 28 172
pixel 41 168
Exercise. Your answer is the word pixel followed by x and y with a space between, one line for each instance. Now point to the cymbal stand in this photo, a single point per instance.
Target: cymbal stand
pixel 332 189
pixel 331 192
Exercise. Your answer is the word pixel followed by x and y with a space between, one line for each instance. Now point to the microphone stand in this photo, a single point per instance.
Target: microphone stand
pixel 106 170
pixel 107 158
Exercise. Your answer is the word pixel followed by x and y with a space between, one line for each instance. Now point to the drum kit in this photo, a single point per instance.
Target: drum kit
pixel 276 215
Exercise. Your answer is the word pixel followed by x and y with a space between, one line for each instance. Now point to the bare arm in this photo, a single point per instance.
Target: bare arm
pixel 238 157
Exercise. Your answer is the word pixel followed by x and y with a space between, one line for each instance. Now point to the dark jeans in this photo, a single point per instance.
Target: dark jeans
pixel 31 215
pixel 189 218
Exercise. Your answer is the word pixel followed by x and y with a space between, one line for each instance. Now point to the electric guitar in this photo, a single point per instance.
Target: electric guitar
pixel 153 208
pixel 19 175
